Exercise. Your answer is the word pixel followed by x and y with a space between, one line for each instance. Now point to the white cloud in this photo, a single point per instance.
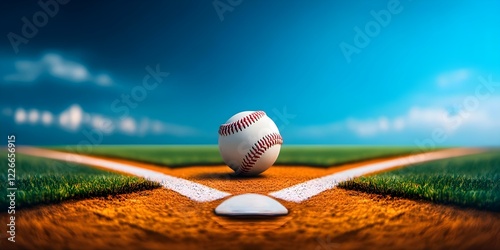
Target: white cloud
pixel 33 116
pixel 133 127
pixel 74 118
pixel 158 127
pixel 103 80
pixel 27 71
pixel 420 116
pixel 454 77
pixel 71 118
pixel 363 128
pixel 484 120
pixel 47 118
pixel 20 116
pixel 99 122
pixel 56 66
pixel 127 125
pixel 155 127
pixel 373 126
pixel 65 69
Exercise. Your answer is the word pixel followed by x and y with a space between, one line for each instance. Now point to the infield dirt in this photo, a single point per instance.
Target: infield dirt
pixel 335 219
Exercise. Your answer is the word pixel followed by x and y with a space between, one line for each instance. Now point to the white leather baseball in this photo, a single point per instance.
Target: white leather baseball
pixel 249 142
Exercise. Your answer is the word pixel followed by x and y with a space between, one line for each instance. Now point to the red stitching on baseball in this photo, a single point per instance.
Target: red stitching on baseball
pixel 242 123
pixel 257 150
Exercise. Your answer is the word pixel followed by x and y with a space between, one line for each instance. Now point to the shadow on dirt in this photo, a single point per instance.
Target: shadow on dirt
pixel 226 176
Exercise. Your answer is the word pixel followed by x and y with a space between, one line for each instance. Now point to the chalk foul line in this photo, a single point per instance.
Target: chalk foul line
pixel 192 190
pixel 303 191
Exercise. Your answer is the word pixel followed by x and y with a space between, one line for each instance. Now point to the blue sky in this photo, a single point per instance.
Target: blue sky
pixel 426 73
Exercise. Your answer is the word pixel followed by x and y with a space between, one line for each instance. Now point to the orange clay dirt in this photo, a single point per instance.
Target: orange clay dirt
pixel 335 219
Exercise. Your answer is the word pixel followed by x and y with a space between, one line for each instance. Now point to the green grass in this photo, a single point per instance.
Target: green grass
pixel 180 156
pixel 324 156
pixel 44 181
pixel 469 181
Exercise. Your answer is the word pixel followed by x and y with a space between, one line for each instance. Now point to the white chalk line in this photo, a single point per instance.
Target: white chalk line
pixel 192 190
pixel 303 191
pixel 201 193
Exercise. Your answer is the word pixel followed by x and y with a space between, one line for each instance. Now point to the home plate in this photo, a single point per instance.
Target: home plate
pixel 251 205
pixel 251 212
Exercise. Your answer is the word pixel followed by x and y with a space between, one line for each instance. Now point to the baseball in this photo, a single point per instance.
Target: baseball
pixel 249 142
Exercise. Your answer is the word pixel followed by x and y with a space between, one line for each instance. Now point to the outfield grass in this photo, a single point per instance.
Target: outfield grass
pixel 470 181
pixel 44 181
pixel 179 156
pixel 324 156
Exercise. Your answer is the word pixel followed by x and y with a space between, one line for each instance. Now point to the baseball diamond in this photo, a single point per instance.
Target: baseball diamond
pixel 187 200
pixel 232 124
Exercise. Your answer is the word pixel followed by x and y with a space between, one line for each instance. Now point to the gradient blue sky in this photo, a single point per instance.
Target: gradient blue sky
pixel 416 81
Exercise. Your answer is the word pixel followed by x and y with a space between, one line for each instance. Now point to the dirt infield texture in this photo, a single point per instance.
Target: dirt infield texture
pixel 335 219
